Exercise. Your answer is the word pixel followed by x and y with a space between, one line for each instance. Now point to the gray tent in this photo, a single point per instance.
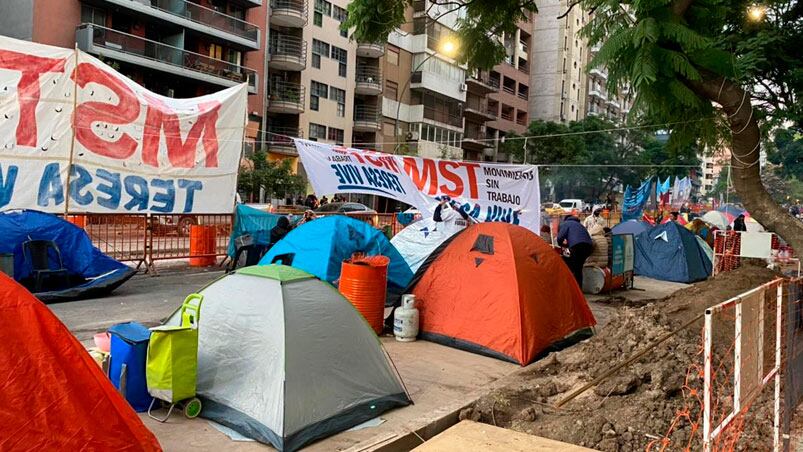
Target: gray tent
pixel 285 359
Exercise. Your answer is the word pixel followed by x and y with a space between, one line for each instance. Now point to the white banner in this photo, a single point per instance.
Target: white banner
pixel 485 191
pixel 131 150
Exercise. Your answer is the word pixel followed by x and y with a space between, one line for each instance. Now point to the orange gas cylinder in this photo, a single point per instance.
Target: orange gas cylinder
pixel 202 246
pixel 363 281
pixel 600 280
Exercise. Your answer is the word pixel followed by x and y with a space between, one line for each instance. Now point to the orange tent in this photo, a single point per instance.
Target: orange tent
pixel 53 396
pixel 500 290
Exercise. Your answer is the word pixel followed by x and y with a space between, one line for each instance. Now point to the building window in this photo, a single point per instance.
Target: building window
pixel 340 15
pixel 216 51
pixel 234 57
pixel 393 55
pixel 317 90
pixel 319 49
pixel 338 95
pixel 391 90
pixel 322 7
pixel 342 57
pixel 316 132
pixel 90 15
pixel 336 135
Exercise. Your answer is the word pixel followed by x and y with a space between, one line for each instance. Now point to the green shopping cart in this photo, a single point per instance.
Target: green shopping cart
pixel 172 365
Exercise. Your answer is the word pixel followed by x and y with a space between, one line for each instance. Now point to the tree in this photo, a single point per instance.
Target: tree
pixel 788 153
pixel 698 66
pixel 276 178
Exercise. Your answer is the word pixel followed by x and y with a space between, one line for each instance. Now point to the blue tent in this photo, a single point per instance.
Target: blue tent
pixel 634 227
pixel 90 273
pixel 320 246
pixel 670 252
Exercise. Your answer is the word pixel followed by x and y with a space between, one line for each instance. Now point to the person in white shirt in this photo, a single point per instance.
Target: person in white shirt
pixel 595 220
pixel 449 216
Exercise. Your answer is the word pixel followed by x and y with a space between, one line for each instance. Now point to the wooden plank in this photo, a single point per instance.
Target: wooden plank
pixel 469 435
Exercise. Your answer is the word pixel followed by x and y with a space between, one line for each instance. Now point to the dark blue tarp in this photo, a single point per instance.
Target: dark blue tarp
pixel 634 227
pixel 91 273
pixel 320 246
pixel 670 252
pixel 634 200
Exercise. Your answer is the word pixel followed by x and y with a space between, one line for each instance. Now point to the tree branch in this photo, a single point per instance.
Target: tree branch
pixel 679 7
pixel 574 3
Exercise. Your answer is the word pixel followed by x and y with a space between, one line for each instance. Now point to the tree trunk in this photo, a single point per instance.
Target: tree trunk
pixel 745 153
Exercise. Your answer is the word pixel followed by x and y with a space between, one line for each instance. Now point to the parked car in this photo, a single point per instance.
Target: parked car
pixel 344 207
pixel 181 224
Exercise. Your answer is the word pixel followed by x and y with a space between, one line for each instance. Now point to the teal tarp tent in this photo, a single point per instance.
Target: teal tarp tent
pixel 257 223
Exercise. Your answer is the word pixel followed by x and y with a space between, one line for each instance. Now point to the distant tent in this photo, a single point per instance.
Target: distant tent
pixel 53 396
pixel 499 290
pixel 417 241
pixel 732 211
pixel 716 218
pixel 320 246
pixel 89 272
pixel 634 227
pixel 670 252
pixel 285 359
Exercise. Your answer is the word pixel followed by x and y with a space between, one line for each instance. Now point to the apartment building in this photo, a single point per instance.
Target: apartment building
pixel 425 90
pixel 558 79
pixel 508 103
pixel 603 102
pixel 321 85
pixel 177 48
pixel 712 167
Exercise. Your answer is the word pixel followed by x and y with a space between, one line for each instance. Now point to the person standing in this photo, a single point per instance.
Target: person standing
pixel 739 224
pixel 575 237
pixel 595 220
pixel 451 216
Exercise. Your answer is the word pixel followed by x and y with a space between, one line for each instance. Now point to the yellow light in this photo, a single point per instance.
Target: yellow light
pixel 449 47
pixel 756 12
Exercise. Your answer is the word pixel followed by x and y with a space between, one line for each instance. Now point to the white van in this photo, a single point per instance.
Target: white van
pixel 569 205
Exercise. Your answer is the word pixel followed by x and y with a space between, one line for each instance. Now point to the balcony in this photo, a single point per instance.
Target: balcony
pixel 280 139
pixel 288 13
pixel 287 52
pixel 286 97
pixel 370 50
pixel 475 139
pixel 597 92
pixel 366 118
pixel 443 116
pixel 196 17
pixel 598 73
pixel 613 103
pixel 158 56
pixel 476 108
pixel 369 81
pixel 480 83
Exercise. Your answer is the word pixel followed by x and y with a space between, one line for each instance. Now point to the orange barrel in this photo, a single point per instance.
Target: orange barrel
pixel 202 245
pixel 363 281
pixel 78 220
pixel 600 280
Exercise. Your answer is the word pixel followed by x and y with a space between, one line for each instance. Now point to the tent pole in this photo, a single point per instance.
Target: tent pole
pixel 72 126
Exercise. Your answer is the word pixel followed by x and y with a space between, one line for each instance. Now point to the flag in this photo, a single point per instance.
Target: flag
pixel 634 200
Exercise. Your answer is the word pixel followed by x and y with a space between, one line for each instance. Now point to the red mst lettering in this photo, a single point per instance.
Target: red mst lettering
pixel 445 167
pixel 428 175
pixel 181 153
pixel 125 111
pixel 28 91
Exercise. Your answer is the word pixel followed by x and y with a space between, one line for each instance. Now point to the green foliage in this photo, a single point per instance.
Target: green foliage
pixel 788 153
pixel 555 144
pixel 481 23
pixel 276 177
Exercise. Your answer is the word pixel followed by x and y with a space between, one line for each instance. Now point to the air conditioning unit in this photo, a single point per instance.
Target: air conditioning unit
pixel 412 136
pixel 463 87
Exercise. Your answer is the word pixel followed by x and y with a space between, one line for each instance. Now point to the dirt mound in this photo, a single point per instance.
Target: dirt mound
pixel 639 403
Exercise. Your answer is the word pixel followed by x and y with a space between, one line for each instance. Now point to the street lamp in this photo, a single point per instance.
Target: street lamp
pixel 756 12
pixel 448 47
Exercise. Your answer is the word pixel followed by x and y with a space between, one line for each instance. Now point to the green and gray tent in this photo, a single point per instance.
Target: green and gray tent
pixel 283 358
